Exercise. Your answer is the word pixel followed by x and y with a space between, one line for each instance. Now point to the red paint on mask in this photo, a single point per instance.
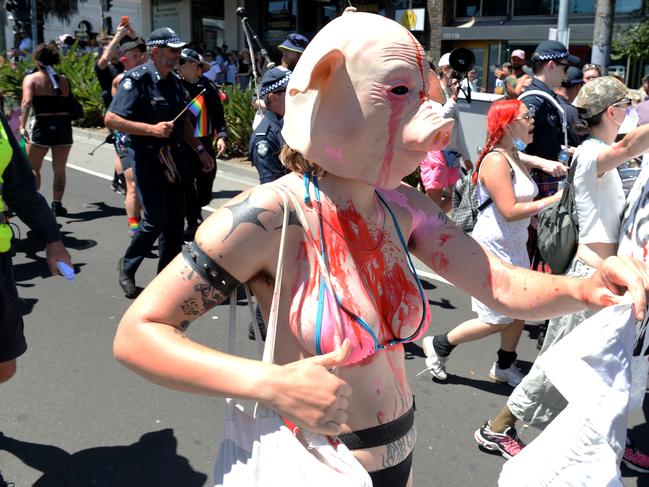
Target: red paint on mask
pixel 397 104
pixel 443 238
pixel 439 261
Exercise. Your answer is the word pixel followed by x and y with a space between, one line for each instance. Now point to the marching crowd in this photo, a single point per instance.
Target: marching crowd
pixel 559 129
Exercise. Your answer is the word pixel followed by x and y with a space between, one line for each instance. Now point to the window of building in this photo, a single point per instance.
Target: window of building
pixel 281 19
pixel 467 8
pixel 494 8
pixel 525 7
pixel 628 6
pixel 580 7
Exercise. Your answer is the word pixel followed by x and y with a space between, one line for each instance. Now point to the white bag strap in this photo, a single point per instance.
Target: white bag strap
pixel 555 103
pixel 267 350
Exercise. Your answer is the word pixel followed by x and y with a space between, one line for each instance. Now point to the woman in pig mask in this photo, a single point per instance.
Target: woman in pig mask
pixel 350 296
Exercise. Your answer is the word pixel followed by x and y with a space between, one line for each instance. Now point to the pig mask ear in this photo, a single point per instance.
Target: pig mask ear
pixel 306 90
pixel 319 75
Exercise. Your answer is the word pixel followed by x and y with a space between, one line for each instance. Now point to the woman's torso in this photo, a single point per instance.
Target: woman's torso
pixel 369 272
pixel 599 200
pixel 45 100
pixel 507 239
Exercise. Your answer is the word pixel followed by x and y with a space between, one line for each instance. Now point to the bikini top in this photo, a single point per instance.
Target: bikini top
pixel 335 321
pixel 50 104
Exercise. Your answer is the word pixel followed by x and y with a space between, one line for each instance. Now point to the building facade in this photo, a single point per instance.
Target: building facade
pixel 490 28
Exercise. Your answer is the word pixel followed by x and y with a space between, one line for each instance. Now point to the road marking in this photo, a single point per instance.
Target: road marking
pixel 248 182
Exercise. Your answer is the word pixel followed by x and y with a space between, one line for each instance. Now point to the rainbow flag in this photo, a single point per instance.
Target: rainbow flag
pixel 199 109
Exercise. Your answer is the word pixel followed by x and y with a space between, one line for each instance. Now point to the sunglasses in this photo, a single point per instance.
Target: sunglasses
pixel 182 61
pixel 528 116
pixel 588 67
pixel 623 104
pixel 565 66
pixel 174 50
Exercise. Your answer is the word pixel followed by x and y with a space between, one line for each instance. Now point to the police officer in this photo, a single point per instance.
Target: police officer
pixel 550 62
pixel 146 105
pixel 266 140
pixel 192 68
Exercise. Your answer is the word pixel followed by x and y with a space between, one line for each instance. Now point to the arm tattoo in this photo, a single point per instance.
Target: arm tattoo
pixel 244 212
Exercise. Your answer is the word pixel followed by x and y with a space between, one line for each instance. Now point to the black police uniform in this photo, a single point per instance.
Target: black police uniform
pixel 145 96
pixel 201 194
pixel 264 147
pixel 548 135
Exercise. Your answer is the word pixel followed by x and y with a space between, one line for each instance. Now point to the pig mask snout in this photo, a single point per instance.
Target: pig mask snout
pixel 428 130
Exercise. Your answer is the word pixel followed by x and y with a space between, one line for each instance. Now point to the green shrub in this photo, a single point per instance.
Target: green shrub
pixel 239 114
pixel 79 69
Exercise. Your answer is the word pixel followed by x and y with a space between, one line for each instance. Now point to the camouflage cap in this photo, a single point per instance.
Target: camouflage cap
pixel 599 94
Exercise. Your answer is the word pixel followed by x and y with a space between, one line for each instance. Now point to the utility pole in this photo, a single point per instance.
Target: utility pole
pixel 603 33
pixel 34 14
pixel 563 31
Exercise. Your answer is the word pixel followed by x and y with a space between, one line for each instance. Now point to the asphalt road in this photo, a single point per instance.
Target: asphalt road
pixel 73 416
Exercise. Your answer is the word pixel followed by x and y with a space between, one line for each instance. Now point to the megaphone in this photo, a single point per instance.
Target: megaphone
pixel 462 61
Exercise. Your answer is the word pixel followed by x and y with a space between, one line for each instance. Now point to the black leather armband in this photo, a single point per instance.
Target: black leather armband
pixel 210 271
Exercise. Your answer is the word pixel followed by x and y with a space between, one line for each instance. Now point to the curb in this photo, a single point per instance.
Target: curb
pixel 97 136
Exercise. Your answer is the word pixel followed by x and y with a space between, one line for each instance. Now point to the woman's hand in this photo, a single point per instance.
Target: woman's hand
pixel 308 394
pixel 614 277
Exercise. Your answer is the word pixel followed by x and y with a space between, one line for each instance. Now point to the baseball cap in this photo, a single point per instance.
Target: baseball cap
pixel 599 94
pixel 294 42
pixel 191 55
pixel 574 76
pixel 444 60
pixel 164 37
pixel 553 51
pixel 274 79
pixel 128 43
pixel 519 53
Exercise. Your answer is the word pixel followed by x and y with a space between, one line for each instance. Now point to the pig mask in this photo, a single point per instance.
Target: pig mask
pixel 357 104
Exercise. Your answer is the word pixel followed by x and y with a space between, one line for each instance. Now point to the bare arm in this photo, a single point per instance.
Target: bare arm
pixel 493 174
pixel 115 84
pixel 26 103
pixel 110 51
pixel 515 291
pixel 521 84
pixel 633 144
pixel 242 238
pixel 554 168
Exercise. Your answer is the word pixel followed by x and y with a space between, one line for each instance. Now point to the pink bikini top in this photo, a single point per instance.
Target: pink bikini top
pixel 335 321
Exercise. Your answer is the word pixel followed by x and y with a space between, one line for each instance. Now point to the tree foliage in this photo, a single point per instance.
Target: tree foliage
pixel 632 42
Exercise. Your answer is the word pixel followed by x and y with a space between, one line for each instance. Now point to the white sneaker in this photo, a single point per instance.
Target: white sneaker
pixel 512 375
pixel 435 364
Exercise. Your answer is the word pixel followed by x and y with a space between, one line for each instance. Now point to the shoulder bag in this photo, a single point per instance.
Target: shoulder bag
pixel 76 109
pixel 558 230
pixel 259 449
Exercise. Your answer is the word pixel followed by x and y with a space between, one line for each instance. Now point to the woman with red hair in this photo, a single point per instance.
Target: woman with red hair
pixel 506 195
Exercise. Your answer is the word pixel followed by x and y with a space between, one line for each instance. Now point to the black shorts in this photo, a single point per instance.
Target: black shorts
pixel 52 130
pixel 12 340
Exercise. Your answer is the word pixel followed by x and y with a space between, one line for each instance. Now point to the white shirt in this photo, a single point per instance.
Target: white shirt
pixel 213 71
pixel 599 200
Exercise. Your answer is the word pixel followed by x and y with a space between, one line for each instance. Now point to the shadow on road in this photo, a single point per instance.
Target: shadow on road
pixel 152 461
pixel 483 385
pixel 100 210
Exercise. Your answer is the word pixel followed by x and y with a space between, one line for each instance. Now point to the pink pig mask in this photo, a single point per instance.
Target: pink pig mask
pixel 358 104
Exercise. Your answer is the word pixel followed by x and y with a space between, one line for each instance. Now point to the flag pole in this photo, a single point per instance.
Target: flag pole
pixel 185 109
